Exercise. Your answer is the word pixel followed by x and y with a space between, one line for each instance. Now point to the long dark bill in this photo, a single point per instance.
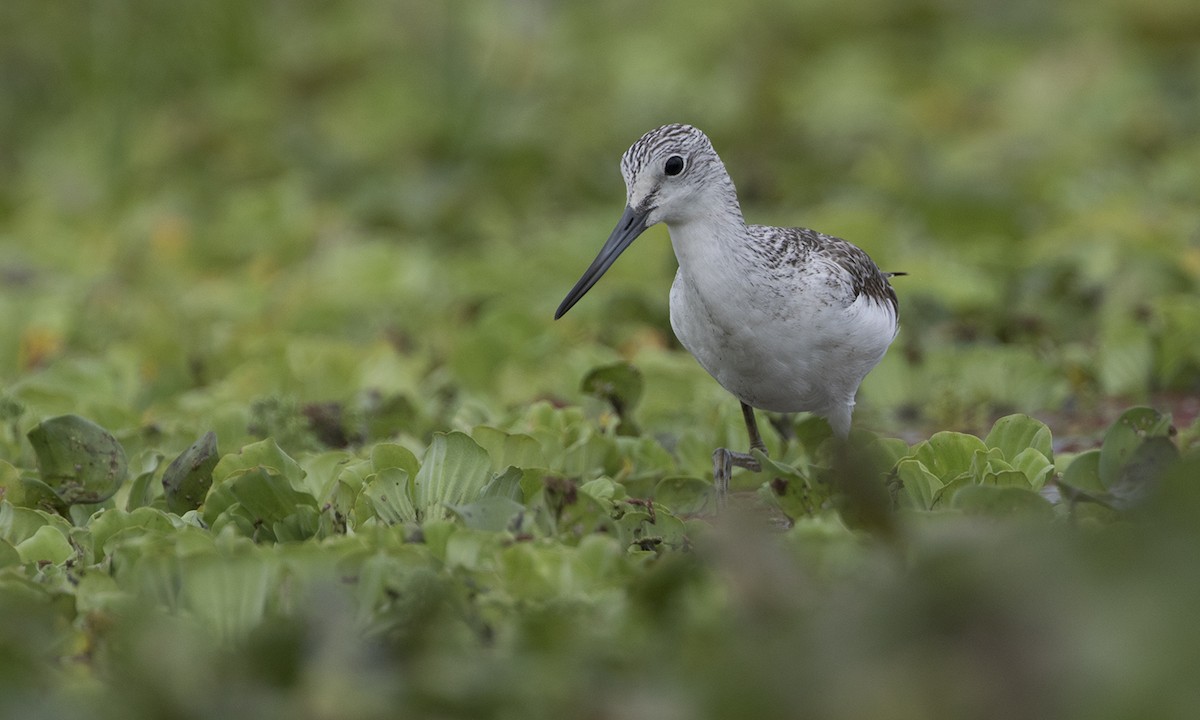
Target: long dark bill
pixel 631 224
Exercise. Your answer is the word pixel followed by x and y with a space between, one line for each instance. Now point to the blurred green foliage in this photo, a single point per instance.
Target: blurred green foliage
pixel 335 233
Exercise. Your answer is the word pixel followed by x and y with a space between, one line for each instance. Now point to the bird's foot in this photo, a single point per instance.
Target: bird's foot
pixel 724 460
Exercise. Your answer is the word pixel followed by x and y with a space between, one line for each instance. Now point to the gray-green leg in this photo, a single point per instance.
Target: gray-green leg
pixel 724 459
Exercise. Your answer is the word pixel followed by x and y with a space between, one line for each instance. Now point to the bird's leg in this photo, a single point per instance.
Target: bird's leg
pixel 725 459
pixel 756 442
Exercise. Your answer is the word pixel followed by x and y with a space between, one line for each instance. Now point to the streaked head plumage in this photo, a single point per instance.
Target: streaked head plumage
pixel 672 170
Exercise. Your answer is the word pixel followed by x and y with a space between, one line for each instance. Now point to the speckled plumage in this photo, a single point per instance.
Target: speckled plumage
pixel 786 319
pixel 796 247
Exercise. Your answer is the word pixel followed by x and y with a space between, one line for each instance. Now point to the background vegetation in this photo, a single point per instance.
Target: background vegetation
pixel 333 232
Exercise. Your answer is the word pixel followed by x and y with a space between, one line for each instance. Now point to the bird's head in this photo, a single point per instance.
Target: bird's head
pixel 672 175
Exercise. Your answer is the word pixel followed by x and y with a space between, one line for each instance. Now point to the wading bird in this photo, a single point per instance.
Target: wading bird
pixel 785 319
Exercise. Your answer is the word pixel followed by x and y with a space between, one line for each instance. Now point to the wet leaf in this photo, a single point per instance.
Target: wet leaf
pixel 1125 436
pixel 79 460
pixel 187 479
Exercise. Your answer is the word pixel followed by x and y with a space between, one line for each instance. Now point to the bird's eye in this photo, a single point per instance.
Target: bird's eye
pixel 674 165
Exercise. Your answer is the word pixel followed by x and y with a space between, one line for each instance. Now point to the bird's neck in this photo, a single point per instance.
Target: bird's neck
pixel 709 241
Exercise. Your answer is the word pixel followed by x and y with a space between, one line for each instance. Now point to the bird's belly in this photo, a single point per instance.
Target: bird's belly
pixel 783 355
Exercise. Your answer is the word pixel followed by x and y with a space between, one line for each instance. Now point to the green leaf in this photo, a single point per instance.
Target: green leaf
pixel 619 384
pixel 984 463
pixel 1125 357
pixel 590 455
pixel 790 489
pixel 1142 471
pixel 944 497
pixel 1033 463
pixel 47 544
pixel 10 484
pixel 1083 473
pixel 811 431
pixel 920 484
pixel 570 512
pixel 79 460
pixel 112 522
pixel 8 555
pixel 264 453
pixel 506 484
pixel 141 490
pixel 509 449
pixel 494 513
pixel 267 496
pixel 948 454
pixel 1003 501
pixel 1014 434
pixel 228 594
pixel 885 452
pixel 303 523
pixel 776 468
pixel 390 494
pixel 346 495
pixel 455 471
pixel 19 523
pixel 1125 436
pixel 26 491
pixel 789 496
pixel 322 471
pixel 187 479
pixel 391 455
pixel 98 592
pixel 685 495
pixel 1006 478
pixel 651 533
pixel 604 489
pixel 220 498
pixel 471 550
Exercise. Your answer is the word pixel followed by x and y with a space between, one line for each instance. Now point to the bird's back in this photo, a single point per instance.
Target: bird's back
pixel 848 272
